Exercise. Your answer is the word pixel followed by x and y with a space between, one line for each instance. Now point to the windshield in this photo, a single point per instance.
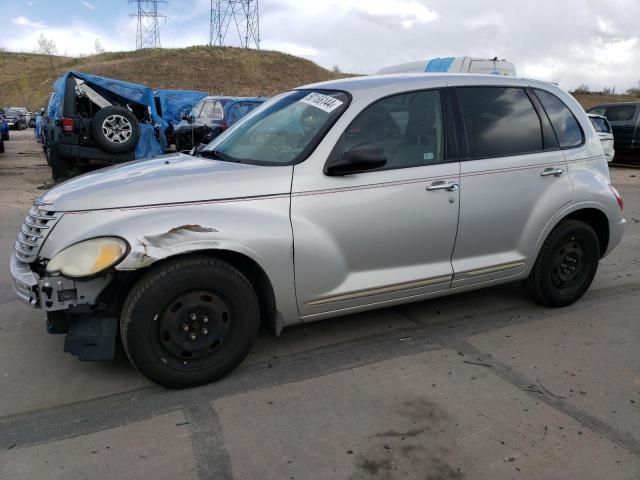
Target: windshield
pixel 283 131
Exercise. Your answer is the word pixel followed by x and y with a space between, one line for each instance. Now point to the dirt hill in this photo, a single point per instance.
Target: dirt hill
pixel 25 78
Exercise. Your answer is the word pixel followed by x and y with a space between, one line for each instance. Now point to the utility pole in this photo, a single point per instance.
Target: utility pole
pixel 146 14
pixel 242 16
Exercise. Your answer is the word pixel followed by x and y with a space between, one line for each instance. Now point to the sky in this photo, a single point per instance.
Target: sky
pixel 572 42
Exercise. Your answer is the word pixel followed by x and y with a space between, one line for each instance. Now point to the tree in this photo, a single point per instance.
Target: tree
pixel 582 88
pixel 48 47
pixel 634 90
pixel 98 47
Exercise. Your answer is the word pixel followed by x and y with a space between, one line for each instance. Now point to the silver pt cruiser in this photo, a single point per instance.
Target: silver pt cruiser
pixel 330 199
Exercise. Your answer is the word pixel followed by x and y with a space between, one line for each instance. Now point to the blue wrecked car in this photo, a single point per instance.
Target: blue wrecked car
pixel 93 120
pixel 4 126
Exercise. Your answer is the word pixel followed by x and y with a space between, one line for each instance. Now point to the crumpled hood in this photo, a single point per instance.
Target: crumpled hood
pixel 168 179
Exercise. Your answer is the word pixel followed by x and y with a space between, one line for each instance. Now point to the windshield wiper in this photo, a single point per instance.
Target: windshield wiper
pixel 218 155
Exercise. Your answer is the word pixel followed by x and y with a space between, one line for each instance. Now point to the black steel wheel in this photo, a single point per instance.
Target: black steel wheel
pixel 566 264
pixel 189 321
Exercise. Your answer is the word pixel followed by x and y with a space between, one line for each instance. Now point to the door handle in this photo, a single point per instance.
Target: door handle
pixel 556 172
pixel 449 187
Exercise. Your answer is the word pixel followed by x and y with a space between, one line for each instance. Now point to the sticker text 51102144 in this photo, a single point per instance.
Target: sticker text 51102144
pixel 321 101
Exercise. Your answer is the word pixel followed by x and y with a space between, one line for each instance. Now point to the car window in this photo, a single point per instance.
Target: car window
pixel 620 113
pixel 499 121
pixel 600 124
pixel 284 131
pixel 564 123
pixel 239 110
pixel 409 127
pixel 217 112
pixel 207 110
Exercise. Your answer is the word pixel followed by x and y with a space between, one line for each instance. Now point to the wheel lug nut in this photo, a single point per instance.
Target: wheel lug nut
pixel 192 336
pixel 185 327
pixel 205 331
pixel 193 316
pixel 205 319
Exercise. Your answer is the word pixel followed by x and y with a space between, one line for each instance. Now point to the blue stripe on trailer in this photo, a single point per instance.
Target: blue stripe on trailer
pixel 439 64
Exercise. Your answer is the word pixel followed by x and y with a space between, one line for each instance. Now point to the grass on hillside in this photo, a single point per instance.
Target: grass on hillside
pixel 26 78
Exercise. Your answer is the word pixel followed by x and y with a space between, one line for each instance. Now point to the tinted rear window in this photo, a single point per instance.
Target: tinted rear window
pixel 600 124
pixel 620 113
pixel 499 121
pixel 564 123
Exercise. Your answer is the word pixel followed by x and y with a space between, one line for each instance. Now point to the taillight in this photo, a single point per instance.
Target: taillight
pixel 67 124
pixel 618 197
pixel 224 126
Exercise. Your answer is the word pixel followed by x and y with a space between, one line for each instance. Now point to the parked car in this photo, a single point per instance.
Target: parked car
pixel 210 117
pixel 404 188
pixel 493 66
pixel 4 126
pixel 32 119
pixel 15 118
pixel 171 103
pixel 95 120
pixel 624 118
pixel 605 133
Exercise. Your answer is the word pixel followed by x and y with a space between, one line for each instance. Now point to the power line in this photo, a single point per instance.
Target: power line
pixel 243 16
pixel 147 31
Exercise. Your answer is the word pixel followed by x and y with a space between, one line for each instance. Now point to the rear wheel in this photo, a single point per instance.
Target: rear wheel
pixel 189 322
pixel 566 264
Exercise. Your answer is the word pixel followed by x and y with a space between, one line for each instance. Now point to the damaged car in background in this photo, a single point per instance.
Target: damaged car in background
pixel 98 121
pixel 330 199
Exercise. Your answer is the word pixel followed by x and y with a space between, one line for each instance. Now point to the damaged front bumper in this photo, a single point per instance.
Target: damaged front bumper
pixel 55 292
pixel 89 335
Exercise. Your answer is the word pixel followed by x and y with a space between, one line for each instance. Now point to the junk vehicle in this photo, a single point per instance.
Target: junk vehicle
pixel 329 199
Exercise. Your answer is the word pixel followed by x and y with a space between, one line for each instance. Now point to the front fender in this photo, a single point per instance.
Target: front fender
pixel 258 229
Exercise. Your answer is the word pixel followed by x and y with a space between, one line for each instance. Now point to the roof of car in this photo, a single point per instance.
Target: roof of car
pixel 352 84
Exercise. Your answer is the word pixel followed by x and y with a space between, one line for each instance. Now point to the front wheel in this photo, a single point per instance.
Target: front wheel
pixel 189 321
pixel 566 264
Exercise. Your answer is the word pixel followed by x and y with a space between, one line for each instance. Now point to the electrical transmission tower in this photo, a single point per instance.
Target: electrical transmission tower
pixel 147 33
pixel 242 16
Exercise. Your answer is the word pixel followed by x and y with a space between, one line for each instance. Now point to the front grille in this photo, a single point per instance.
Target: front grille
pixel 37 225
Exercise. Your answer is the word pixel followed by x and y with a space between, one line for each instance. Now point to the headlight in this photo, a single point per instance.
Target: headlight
pixel 88 258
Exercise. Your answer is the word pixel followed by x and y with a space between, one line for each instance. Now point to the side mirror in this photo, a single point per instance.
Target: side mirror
pixel 360 158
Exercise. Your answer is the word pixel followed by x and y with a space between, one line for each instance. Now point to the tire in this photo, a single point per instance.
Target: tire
pixel 566 264
pixel 115 129
pixel 2 146
pixel 60 166
pixel 5 136
pixel 181 293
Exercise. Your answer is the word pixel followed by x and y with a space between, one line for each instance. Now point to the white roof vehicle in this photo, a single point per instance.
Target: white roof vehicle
pixel 492 66
pixel 605 133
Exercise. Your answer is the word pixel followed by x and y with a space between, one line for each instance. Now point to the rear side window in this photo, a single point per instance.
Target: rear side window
pixel 499 121
pixel 564 123
pixel 600 124
pixel 621 113
pixel 207 110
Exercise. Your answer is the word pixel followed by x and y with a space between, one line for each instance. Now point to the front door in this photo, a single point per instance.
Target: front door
pixel 383 235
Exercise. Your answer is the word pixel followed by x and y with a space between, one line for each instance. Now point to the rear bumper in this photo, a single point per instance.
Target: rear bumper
pixel 92 153
pixel 616 232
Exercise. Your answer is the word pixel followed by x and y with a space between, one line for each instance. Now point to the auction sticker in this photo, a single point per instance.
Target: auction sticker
pixel 323 102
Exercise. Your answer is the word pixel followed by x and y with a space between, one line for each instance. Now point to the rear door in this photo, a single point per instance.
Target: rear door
pixel 512 181
pixel 623 120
